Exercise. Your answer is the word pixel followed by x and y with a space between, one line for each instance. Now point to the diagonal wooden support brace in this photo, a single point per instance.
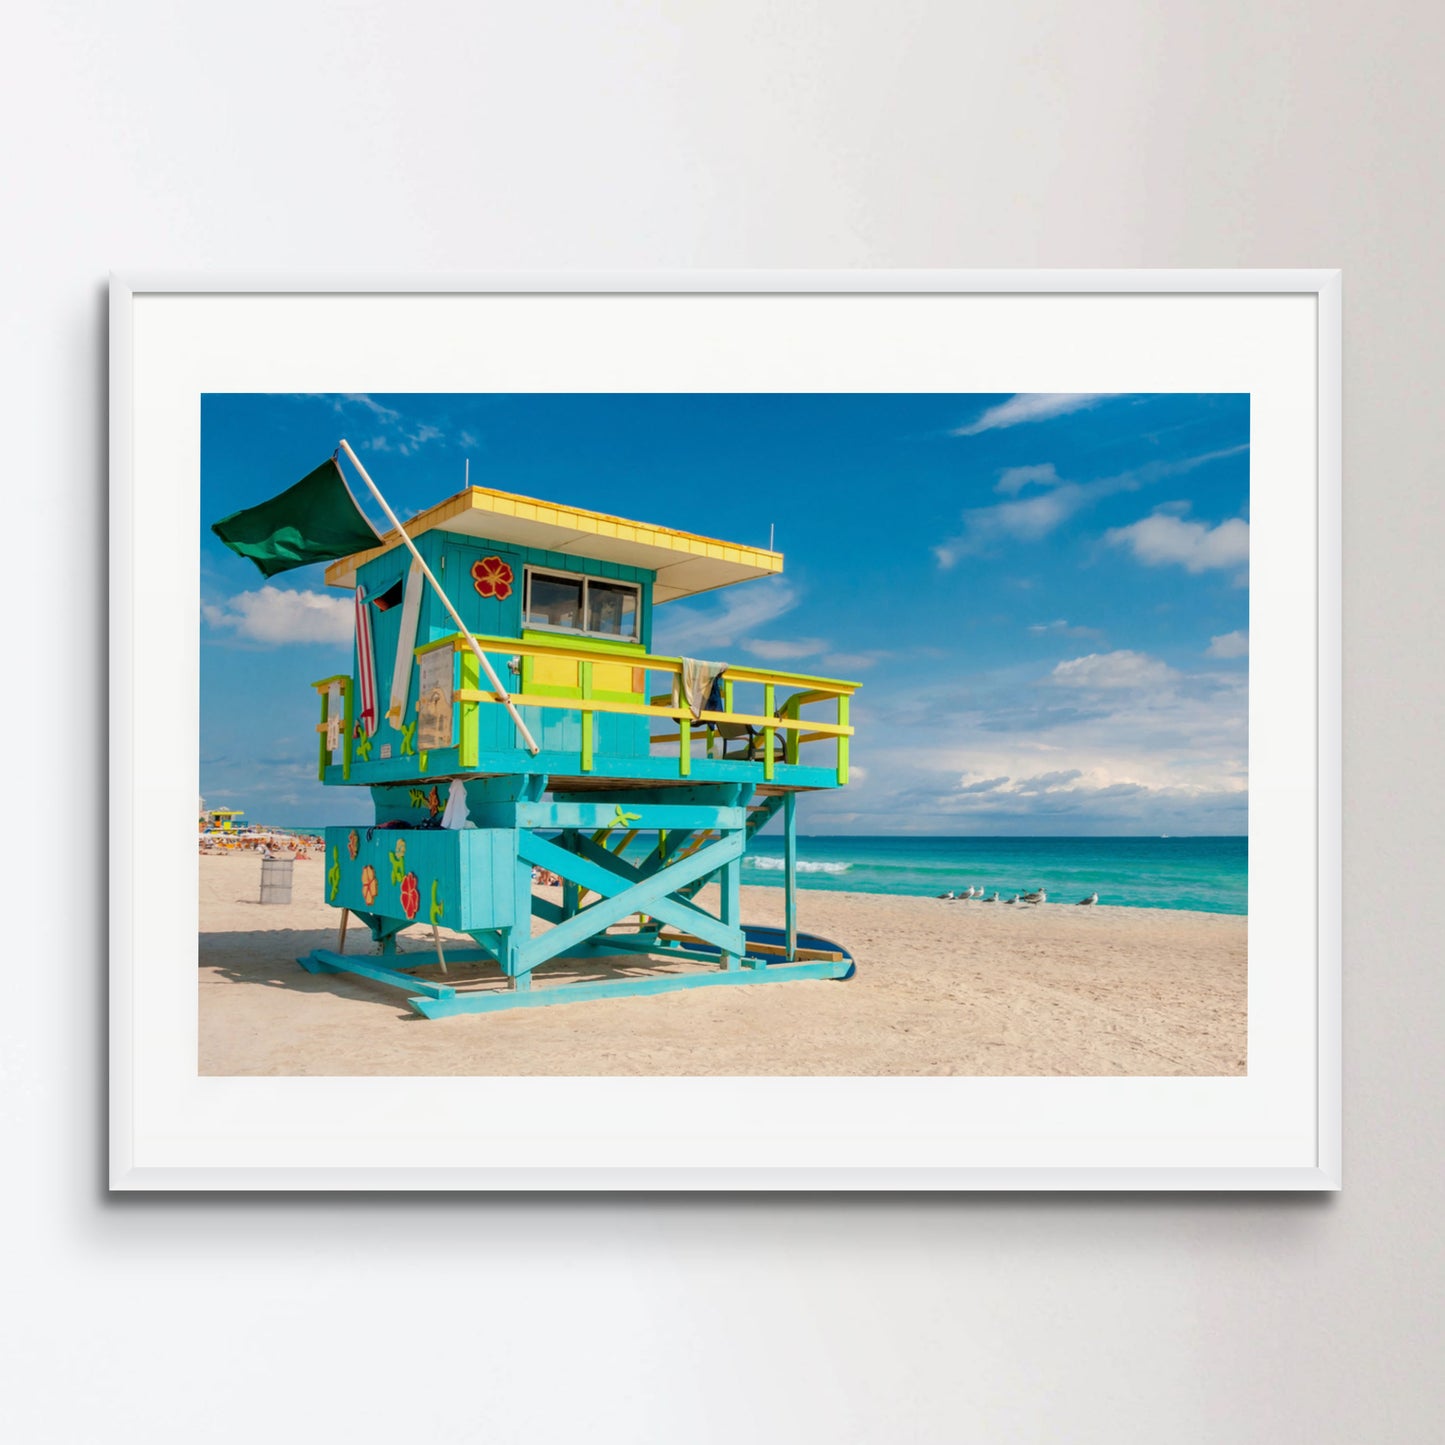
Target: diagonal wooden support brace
pixel 621 897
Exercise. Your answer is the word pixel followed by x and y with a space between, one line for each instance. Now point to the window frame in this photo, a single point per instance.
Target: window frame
pixel 586 579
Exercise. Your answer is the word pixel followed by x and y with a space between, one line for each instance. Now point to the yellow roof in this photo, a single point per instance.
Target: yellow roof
pixel 685 564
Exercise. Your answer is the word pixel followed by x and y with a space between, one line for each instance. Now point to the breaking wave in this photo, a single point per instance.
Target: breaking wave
pixel 775 865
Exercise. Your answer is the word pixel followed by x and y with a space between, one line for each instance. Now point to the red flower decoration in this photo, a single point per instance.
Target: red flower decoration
pixel 369 886
pixel 492 577
pixel 353 843
pixel 410 895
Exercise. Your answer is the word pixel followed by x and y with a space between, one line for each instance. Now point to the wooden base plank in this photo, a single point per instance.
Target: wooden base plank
pixel 495 1001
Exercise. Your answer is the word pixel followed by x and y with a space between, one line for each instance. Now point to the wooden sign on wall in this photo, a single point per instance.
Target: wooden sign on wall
pixel 434 701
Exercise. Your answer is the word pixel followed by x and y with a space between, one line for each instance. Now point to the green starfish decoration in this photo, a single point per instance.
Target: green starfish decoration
pixel 436 903
pixel 408 736
pixel 623 819
pixel 362 749
pixel 333 874
pixel 398 861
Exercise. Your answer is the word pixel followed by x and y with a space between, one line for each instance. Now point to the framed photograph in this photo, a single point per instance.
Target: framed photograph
pixel 784 731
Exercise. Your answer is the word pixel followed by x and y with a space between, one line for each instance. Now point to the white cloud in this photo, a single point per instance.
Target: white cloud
pixel 1030 406
pixel 1028 519
pixel 358 398
pixel 1061 627
pixel 699 631
pixel 779 650
pixel 1228 644
pixel 1012 480
pixel 1110 742
pixel 276 617
pixel 1056 780
pixel 1024 520
pixel 401 435
pixel 1163 538
pixel 1134 748
pixel 1113 670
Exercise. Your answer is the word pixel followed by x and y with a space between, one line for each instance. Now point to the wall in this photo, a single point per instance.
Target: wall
pixel 456 137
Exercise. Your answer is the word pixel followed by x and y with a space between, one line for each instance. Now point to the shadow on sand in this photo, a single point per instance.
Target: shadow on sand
pixel 237 958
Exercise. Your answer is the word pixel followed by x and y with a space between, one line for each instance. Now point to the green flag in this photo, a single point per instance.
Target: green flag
pixel 317 520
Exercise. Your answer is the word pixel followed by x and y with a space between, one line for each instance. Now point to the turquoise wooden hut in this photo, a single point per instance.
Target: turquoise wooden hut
pixel 544 736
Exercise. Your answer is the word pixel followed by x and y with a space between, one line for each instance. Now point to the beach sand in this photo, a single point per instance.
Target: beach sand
pixel 941 988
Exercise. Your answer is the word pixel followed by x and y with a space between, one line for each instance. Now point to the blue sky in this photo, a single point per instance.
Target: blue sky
pixel 1046 597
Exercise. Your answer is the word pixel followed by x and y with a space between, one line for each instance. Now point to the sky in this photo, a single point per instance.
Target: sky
pixel 1045 597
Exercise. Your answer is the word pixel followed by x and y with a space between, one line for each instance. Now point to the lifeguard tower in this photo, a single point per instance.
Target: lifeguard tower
pixel 544 734
pixel 223 820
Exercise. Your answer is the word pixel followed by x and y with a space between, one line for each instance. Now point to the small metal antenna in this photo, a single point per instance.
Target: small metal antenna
pixel 770 536
pixel 468 480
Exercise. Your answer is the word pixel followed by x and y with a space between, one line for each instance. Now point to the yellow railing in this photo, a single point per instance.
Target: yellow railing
pixel 777 715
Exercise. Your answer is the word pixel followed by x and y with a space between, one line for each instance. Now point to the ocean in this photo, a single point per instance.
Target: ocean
pixel 1207 875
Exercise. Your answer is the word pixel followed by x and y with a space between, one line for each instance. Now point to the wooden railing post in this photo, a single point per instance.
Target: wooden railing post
pixel 323 755
pixel 468 721
pixel 348 724
pixel 768 733
pixel 584 681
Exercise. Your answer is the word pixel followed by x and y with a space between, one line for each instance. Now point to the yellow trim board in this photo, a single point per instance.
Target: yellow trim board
pixel 684 562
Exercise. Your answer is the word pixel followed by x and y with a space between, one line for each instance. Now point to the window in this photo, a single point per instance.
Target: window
pixel 612 609
pixel 565 602
pixel 554 601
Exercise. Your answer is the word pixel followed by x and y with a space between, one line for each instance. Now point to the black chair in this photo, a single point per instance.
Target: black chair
pixel 752 739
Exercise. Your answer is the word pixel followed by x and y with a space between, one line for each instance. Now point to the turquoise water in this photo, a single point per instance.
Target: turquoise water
pixel 1210 875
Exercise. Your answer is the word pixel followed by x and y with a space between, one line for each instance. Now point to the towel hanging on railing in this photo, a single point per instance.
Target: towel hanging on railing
pixel 702 685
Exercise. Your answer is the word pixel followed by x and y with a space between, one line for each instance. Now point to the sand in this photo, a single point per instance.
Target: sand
pixel 941 988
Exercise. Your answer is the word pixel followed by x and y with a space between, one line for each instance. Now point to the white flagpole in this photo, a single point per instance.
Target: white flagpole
pixel 446 602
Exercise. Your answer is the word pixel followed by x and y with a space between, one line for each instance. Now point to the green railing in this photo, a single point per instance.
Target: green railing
pixel 578 676
pixel 574 675
pixel 340 722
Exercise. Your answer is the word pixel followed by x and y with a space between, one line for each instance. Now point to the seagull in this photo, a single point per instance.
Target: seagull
pixel 1088 902
pixel 967 893
pixel 994 899
pixel 1014 899
pixel 1038 896
pixel 949 894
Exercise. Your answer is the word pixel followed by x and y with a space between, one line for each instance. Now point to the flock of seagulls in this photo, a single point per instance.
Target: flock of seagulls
pixel 982 895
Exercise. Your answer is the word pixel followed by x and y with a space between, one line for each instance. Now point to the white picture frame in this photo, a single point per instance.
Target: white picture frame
pixel 174 337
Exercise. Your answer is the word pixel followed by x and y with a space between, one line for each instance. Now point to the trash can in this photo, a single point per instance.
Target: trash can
pixel 276 880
